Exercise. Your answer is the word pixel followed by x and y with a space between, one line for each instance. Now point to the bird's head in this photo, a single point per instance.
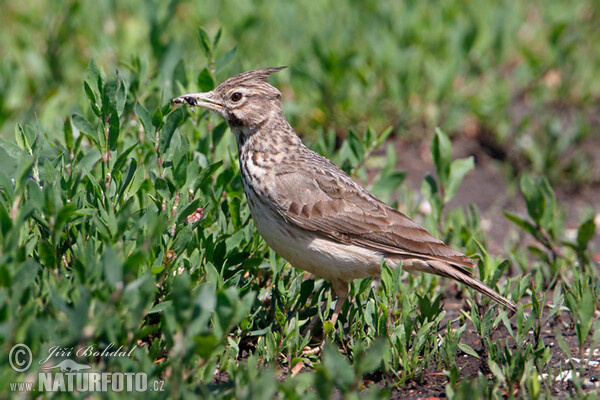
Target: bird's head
pixel 245 101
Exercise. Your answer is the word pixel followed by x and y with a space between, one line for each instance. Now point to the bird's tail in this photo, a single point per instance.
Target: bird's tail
pixel 458 274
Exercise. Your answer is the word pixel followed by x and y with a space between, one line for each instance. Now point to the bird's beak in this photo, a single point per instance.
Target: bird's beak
pixel 204 100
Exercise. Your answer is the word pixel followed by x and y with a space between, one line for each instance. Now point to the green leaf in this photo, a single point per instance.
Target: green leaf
pixel 384 135
pixel 389 182
pixel 179 76
pixel 5 221
pixel 441 152
pixel 109 96
pixel 373 357
pixel 205 174
pixel 225 59
pixel 25 276
pixel 182 297
pixel 162 188
pixel 157 118
pixel 562 343
pixel 173 121
pixel 358 150
pixel 92 99
pixel 206 82
pixel 499 272
pixel 523 224
pixel 337 365
pixel 217 38
pixel 12 151
pixel 63 217
pixel 387 280
pixel 122 159
pixel 121 97
pixel 279 315
pixel 94 74
pixel 458 170
pixel 533 197
pixel 114 129
pixel 128 177
pixel 112 267
pixel 586 311
pixel 585 233
pixel 23 174
pixel 328 328
pixel 21 138
pixel 205 42
pixel 144 117
pixel 218 132
pixel 465 348
pixel 85 128
pixel 162 306
pixel 68 133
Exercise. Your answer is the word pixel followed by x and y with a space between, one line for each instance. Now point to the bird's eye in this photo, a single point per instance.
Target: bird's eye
pixel 237 96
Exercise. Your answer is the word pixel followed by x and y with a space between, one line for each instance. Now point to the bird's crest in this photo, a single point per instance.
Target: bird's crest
pixel 258 74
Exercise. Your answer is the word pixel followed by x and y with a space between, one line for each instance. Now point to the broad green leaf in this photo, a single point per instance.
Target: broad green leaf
pixel 458 170
pixel 356 146
pixel 112 267
pixel 337 365
pixel 585 233
pixel 23 174
pixel 206 82
pixel 85 128
pixel 373 356
pixel 586 311
pixel 173 121
pixel 217 133
pixel 94 74
pixel 206 174
pixel 523 224
pixel 109 97
pixel 179 76
pixel 465 348
pixel 157 118
pixel 389 182
pixel 21 138
pixel 533 197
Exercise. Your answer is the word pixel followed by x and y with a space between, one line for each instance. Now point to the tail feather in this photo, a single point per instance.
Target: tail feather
pixel 458 274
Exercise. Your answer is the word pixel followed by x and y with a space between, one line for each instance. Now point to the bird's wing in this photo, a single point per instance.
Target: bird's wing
pixel 321 198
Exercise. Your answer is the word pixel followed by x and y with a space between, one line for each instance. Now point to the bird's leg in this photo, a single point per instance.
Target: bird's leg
pixel 340 288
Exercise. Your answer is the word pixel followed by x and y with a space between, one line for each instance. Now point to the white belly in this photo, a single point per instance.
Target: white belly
pixel 305 250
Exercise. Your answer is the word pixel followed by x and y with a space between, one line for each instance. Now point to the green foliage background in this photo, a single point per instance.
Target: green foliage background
pixel 122 220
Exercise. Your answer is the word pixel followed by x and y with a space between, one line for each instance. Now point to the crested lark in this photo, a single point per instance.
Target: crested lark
pixel 310 211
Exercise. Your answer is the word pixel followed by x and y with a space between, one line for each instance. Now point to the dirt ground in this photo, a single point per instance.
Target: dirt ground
pixel 487 187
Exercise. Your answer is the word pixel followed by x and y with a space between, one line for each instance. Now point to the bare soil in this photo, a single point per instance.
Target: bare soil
pixel 489 187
